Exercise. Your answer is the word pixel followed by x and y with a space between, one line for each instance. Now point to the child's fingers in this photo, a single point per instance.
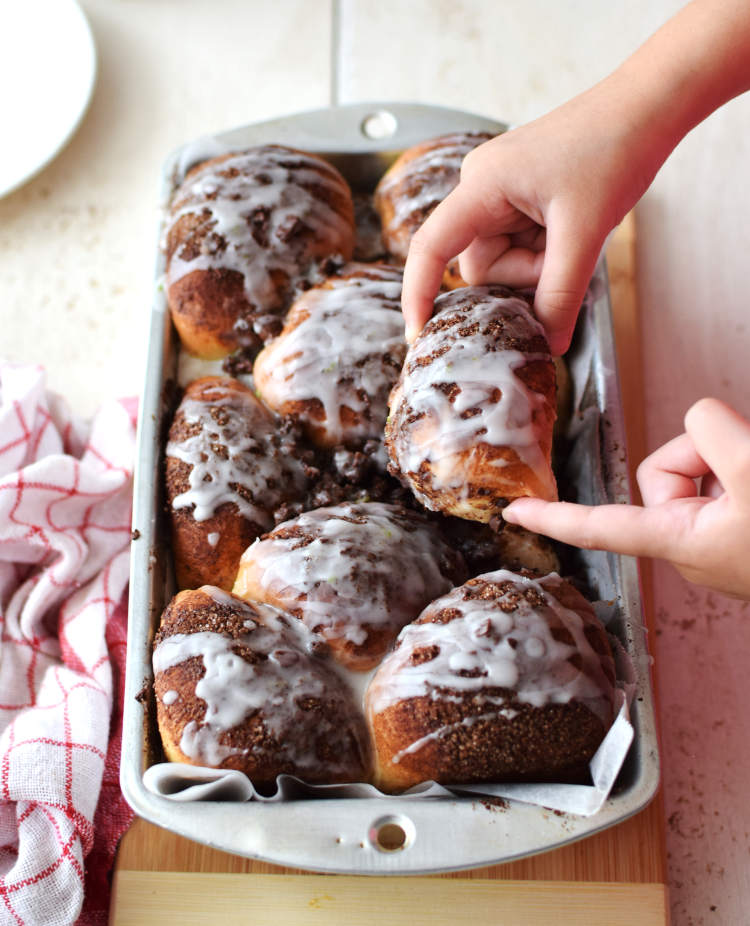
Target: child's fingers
pixel 569 262
pixel 625 529
pixel 495 260
pixel 670 472
pixel 711 487
pixel 476 260
pixel 722 438
pixel 514 257
pixel 445 233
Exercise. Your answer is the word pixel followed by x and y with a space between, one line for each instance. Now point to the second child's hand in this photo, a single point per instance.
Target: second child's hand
pixel 696 505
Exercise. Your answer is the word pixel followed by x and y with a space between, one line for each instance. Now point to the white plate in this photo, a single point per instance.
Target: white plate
pixel 47 73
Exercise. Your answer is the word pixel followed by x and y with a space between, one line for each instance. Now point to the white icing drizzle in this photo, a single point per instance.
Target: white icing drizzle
pixel 343 344
pixel 491 404
pixel 446 730
pixel 213 538
pixel 170 697
pixel 201 743
pixel 234 688
pixel 485 647
pixel 250 204
pixel 350 567
pixel 234 447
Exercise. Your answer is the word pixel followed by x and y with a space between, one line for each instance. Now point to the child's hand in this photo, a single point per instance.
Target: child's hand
pixel 534 206
pixel 696 514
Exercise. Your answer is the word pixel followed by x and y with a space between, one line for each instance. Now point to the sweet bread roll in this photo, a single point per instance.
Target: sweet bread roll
pixel 244 230
pixel 227 469
pixel 507 678
pixel 244 686
pixel 420 178
pixel 472 413
pixel 338 356
pixel 354 573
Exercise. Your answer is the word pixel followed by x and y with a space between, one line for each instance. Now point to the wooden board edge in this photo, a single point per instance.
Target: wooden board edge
pixel 185 898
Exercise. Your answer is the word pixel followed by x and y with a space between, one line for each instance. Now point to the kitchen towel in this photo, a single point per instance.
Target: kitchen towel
pixel 65 511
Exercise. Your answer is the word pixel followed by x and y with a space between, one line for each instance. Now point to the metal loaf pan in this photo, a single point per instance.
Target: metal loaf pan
pixel 345 835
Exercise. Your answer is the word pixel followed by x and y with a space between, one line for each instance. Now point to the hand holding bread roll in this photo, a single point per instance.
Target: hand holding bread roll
pixel 472 414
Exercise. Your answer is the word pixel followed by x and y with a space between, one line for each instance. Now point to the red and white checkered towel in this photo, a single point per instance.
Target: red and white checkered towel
pixel 65 508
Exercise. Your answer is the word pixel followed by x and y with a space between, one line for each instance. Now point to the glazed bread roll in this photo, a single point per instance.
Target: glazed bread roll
pixel 227 469
pixel 354 573
pixel 472 414
pixel 244 686
pixel 245 229
pixel 338 356
pixel 420 178
pixel 507 678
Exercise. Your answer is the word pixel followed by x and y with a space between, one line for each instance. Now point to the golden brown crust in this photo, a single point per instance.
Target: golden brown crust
pixel 536 745
pixel 205 307
pixel 246 228
pixel 314 732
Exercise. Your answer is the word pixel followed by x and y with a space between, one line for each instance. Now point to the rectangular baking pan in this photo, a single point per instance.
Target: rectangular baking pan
pixel 345 835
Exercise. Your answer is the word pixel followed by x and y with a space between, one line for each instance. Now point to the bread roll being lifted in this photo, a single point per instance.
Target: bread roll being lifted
pixel 471 417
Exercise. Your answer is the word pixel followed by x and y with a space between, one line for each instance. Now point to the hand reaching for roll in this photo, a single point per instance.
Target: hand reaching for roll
pixel 696 505
pixel 534 206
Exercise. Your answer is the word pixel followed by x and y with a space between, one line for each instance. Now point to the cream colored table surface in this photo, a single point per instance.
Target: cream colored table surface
pixel 77 244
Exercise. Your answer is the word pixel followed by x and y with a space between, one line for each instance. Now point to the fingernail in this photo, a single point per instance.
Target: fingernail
pixel 509 516
pixel 410 334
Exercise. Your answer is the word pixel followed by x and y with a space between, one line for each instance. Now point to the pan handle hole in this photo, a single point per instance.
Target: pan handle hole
pixel 392 834
pixel 381 124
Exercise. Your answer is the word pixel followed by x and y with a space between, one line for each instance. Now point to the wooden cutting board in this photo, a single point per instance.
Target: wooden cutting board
pixel 615 878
